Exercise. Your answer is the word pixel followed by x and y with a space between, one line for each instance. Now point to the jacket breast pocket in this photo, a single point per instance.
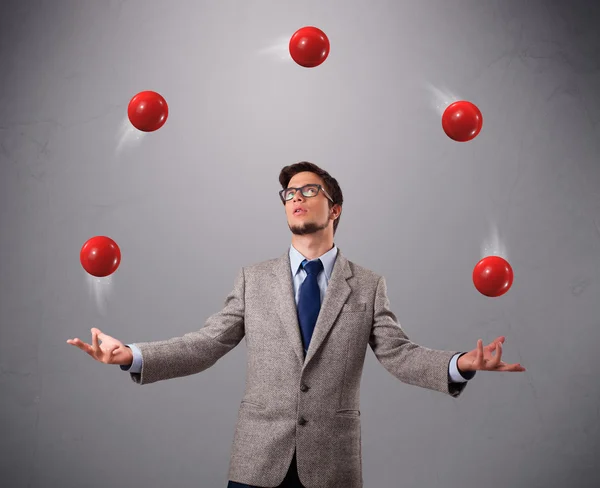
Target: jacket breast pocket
pixel 354 307
pixel 252 404
pixel 348 412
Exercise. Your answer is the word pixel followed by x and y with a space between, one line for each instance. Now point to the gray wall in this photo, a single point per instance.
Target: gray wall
pixel 196 200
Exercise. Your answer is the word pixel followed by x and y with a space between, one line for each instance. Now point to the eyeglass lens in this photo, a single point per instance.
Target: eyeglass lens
pixel 308 191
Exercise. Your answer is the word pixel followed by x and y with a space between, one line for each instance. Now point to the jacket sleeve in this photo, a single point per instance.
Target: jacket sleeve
pixel 196 351
pixel 409 362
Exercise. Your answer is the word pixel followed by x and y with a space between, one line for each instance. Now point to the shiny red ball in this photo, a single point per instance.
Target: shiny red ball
pixel 100 256
pixel 462 121
pixel 148 111
pixel 493 276
pixel 309 47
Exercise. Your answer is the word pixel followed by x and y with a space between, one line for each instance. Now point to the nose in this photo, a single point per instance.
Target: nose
pixel 298 196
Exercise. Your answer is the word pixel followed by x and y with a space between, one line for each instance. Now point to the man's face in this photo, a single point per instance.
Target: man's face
pixel 314 211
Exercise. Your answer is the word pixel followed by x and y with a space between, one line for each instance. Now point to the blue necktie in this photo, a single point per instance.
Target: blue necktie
pixel 309 302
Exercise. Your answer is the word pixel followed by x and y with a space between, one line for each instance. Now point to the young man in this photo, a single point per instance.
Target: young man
pixel 308 317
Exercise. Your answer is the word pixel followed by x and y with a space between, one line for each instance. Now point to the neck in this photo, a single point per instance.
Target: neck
pixel 312 246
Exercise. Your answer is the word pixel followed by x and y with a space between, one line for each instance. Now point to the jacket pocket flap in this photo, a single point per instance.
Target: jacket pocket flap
pixel 354 307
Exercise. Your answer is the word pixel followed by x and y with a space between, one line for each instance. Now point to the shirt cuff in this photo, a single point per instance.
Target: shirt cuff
pixel 456 375
pixel 136 365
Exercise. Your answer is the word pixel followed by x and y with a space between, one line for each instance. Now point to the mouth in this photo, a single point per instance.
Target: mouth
pixel 298 212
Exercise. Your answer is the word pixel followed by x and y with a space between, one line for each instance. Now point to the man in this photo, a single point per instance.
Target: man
pixel 308 317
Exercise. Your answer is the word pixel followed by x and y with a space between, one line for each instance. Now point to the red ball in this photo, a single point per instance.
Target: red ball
pixel 493 276
pixel 148 111
pixel 309 47
pixel 462 121
pixel 100 256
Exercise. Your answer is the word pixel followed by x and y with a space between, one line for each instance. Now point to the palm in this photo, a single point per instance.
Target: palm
pixel 104 348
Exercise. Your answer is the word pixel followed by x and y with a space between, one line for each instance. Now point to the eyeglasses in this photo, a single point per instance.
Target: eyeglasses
pixel 308 191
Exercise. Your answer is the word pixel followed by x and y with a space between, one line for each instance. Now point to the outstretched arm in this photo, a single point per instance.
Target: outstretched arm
pixel 196 351
pixel 409 362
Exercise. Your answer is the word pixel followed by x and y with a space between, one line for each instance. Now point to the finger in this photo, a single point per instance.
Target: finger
pixel 511 367
pixel 479 358
pixel 498 357
pixel 495 362
pixel 81 345
pixel 101 335
pixel 517 367
pixel 95 344
pixel 114 350
pixel 492 345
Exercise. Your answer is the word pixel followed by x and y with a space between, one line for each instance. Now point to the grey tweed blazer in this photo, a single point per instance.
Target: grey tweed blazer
pixel 291 402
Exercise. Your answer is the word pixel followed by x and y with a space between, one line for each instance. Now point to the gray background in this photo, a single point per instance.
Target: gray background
pixel 193 202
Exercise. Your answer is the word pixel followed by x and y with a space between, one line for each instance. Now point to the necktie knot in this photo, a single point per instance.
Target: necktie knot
pixel 312 267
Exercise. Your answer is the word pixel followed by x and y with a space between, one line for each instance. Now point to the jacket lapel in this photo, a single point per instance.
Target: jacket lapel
pixel 336 295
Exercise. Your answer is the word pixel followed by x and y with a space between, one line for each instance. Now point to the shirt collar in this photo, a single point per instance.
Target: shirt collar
pixel 328 260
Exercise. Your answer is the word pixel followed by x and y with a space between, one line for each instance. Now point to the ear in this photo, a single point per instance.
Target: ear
pixel 336 207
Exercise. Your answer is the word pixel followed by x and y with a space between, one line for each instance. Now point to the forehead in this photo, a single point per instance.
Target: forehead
pixel 305 178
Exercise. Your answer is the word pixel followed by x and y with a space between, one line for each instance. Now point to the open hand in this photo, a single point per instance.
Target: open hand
pixel 105 348
pixel 483 358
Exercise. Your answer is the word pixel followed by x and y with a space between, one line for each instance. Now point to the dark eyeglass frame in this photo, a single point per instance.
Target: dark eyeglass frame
pixel 302 189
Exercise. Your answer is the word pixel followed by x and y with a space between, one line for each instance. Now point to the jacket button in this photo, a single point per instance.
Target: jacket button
pixel 303 387
pixel 302 421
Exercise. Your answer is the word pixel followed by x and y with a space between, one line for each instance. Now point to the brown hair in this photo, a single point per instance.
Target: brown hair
pixel 329 182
